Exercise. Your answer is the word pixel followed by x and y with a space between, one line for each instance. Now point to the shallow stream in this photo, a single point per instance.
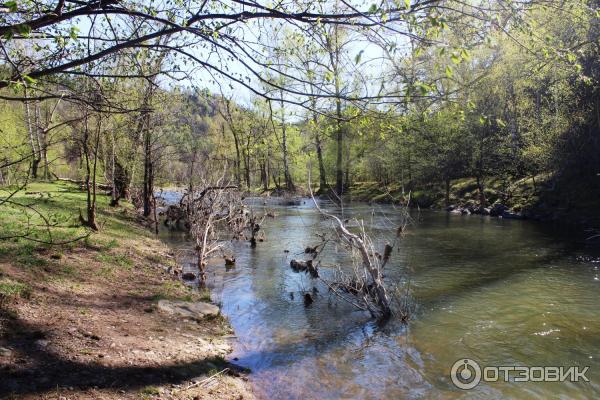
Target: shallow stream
pixel 501 292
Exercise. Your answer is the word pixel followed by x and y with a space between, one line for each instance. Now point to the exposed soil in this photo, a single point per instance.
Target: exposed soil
pixel 91 330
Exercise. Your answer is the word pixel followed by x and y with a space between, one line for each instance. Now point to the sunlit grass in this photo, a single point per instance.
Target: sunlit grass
pixel 9 290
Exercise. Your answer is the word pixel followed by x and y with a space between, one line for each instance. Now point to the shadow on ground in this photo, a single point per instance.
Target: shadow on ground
pixel 36 370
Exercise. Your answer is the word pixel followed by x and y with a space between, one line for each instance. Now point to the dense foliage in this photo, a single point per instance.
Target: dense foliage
pixel 508 97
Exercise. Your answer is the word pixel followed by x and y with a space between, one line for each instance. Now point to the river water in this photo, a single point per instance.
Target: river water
pixel 500 292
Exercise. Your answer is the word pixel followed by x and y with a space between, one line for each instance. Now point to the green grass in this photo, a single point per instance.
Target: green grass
pixel 10 290
pixel 149 391
pixel 204 295
pixel 60 203
pixel 176 290
pixel 120 260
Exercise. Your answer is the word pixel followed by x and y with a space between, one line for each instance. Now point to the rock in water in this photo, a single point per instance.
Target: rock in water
pixel 189 276
pixel 512 215
pixel 308 299
pixel 4 352
pixel 187 309
pixel 497 209
pixel 229 261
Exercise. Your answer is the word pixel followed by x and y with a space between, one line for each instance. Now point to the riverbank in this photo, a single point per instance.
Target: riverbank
pixel 538 199
pixel 82 320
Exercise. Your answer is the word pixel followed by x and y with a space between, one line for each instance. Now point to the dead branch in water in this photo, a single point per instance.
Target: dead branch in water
pixel 364 286
pixel 216 209
pixel 210 209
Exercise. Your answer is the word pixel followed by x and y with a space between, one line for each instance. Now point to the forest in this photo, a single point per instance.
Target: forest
pixel 109 107
pixel 509 101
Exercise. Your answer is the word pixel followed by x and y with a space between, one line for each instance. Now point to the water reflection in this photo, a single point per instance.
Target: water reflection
pixel 500 291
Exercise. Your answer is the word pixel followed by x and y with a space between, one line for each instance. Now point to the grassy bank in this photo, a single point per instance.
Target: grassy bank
pixel 538 198
pixel 79 320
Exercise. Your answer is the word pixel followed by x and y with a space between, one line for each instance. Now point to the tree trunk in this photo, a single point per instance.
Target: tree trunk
pixel 264 178
pixel 114 201
pixel 482 199
pixel 148 176
pixel 247 165
pixel 347 169
pixel 237 158
pixel 91 212
pixel 90 178
pixel 35 160
pixel 334 56
pixel 289 185
pixel 322 175
pixel 45 155
pixel 339 170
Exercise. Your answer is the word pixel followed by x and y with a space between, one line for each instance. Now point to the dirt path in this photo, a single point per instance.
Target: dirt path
pixel 89 328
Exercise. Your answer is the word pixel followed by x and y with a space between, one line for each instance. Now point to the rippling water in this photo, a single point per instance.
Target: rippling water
pixel 502 292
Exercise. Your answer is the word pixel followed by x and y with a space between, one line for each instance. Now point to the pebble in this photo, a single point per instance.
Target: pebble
pixel 4 352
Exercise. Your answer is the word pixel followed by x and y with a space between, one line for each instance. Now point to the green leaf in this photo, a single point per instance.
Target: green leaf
pixel 24 29
pixel 29 79
pixel 373 8
pixel 455 59
pixel 449 72
pixel 500 123
pixel 74 32
pixel 12 6
pixel 482 120
pixel 465 54
pixel 423 88
pixel 407 4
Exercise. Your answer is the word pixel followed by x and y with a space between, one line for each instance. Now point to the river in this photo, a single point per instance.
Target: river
pixel 500 292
